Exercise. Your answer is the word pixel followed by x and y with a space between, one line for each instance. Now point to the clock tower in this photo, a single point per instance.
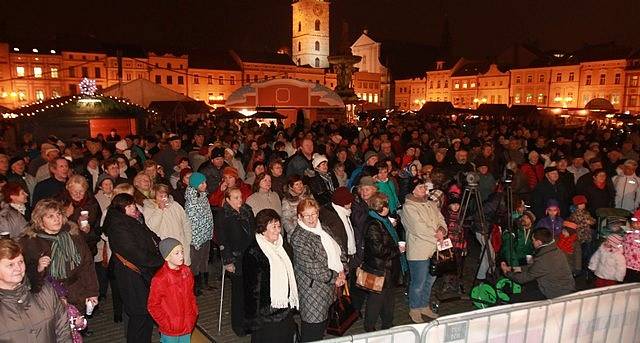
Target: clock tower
pixel 310 43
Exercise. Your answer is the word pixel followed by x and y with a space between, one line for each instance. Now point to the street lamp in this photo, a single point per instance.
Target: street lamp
pixel 478 101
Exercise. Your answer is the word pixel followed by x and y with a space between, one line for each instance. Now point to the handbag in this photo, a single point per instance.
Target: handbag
pixel 369 281
pixel 443 262
pixel 341 313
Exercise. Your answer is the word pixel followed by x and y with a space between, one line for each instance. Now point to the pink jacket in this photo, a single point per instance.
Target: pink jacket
pixel 631 246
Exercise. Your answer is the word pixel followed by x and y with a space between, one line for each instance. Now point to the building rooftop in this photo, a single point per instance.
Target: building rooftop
pixel 264 57
pixel 472 68
pixel 218 60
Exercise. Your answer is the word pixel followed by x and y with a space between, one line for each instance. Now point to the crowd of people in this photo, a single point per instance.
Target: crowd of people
pixel 297 213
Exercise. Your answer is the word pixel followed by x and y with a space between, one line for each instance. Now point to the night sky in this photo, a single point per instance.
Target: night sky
pixel 479 28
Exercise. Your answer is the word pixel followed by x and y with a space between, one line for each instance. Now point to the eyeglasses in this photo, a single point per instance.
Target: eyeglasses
pixel 310 215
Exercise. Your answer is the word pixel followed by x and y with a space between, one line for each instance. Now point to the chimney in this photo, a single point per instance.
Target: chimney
pixel 439 65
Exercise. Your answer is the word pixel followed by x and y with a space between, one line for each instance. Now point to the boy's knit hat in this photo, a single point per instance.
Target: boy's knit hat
pixel 579 199
pixel 167 245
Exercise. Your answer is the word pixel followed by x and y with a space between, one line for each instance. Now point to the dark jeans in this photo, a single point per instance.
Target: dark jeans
pixel 530 292
pixel 310 332
pixel 379 305
pixel 103 279
pixel 283 331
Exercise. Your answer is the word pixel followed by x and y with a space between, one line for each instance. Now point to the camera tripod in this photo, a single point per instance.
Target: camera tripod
pixel 471 196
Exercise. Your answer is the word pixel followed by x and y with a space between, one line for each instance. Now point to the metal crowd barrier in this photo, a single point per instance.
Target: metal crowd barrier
pixel 399 334
pixel 581 317
pixel 608 315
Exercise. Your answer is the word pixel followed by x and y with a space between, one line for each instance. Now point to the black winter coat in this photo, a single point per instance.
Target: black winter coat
pixel 235 231
pixel 359 216
pixel 135 242
pixel 320 189
pixel 257 285
pixel 599 198
pixel 381 253
pixel 545 191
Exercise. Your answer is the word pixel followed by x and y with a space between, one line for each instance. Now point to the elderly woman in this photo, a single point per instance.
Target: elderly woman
pixel 381 257
pixel 323 182
pixel 263 197
pixel 166 218
pixel 318 263
pixel 296 192
pixel 86 210
pixel 142 183
pixel 270 289
pixel 424 225
pixel 278 179
pixel 55 248
pixel 136 259
pixel 14 211
pixel 235 228
pixel 28 312
pixel 200 218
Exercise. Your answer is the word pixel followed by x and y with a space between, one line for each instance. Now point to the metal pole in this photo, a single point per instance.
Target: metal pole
pixel 221 300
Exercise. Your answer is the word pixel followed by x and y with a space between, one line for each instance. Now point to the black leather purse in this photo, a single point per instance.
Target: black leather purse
pixel 341 313
pixel 443 262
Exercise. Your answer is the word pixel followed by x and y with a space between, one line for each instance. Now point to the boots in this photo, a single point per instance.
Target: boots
pixel 428 312
pixel 416 315
pixel 197 289
pixel 205 283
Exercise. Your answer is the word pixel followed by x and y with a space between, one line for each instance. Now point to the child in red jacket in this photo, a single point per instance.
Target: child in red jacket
pixel 172 303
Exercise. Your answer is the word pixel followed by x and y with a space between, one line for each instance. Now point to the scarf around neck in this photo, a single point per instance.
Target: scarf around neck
pixel 283 288
pixel 63 253
pixel 394 234
pixel 331 248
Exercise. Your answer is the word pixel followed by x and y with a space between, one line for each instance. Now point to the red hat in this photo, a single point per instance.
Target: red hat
pixel 230 171
pixel 636 214
pixel 342 197
pixel 579 199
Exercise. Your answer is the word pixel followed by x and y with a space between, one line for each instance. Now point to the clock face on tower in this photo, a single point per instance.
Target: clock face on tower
pixel 317 10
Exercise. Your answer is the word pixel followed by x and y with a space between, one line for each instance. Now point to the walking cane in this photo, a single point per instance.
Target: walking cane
pixel 221 299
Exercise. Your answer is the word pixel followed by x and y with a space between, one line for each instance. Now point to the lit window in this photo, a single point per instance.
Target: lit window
pixel 20 71
pixel 456 85
pixel 39 94
pixel 37 72
pixel 54 72
pixel 196 79
pixel 529 98
pixel 571 76
pixel 616 79
pixel 55 93
pixel 516 98
pixel 370 97
pixel 22 96
pixel 464 84
pixel 540 98
pixel 588 80
pixel 473 85
pixel 375 98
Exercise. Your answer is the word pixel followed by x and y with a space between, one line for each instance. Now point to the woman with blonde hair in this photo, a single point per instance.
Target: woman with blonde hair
pixel 319 268
pixel 55 251
pixel 167 218
pixel 86 209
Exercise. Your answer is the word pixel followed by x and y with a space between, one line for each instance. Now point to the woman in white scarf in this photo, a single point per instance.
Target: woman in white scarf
pixel 319 270
pixel 271 292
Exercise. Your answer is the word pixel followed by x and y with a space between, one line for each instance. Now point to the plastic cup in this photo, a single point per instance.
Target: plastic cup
pixel 90 307
pixel 402 245
pixel 84 213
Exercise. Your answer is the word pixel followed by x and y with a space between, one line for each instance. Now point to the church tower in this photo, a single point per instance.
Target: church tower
pixel 310 43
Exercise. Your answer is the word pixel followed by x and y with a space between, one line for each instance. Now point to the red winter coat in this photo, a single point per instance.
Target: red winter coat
pixel 216 198
pixel 534 173
pixel 172 303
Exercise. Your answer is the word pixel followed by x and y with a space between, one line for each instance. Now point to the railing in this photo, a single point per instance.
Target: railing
pixel 610 314
pixel 399 334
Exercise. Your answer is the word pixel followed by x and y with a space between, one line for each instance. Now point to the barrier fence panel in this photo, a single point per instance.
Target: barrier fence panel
pixel 609 314
pixel 602 315
pixel 400 334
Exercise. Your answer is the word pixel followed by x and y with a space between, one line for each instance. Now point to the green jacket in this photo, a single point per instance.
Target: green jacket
pixel 516 246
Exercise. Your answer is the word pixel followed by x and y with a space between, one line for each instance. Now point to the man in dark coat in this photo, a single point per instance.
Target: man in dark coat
pixel 212 169
pixel 167 156
pixel 550 188
pixel 51 187
pixel 301 160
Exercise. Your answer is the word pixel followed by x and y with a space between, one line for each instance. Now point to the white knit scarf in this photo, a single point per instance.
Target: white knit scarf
pixel 329 244
pixel 284 293
pixel 344 214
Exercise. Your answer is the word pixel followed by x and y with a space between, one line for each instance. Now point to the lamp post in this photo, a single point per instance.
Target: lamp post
pixel 478 101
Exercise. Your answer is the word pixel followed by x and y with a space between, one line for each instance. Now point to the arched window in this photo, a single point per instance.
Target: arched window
pixel 317 63
pixel 299 46
pixel 317 46
pixel 317 24
pixel 299 26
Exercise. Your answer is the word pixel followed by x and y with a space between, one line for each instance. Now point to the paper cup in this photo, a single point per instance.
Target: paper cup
pixel 84 223
pixel 529 259
pixel 402 244
pixel 84 213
